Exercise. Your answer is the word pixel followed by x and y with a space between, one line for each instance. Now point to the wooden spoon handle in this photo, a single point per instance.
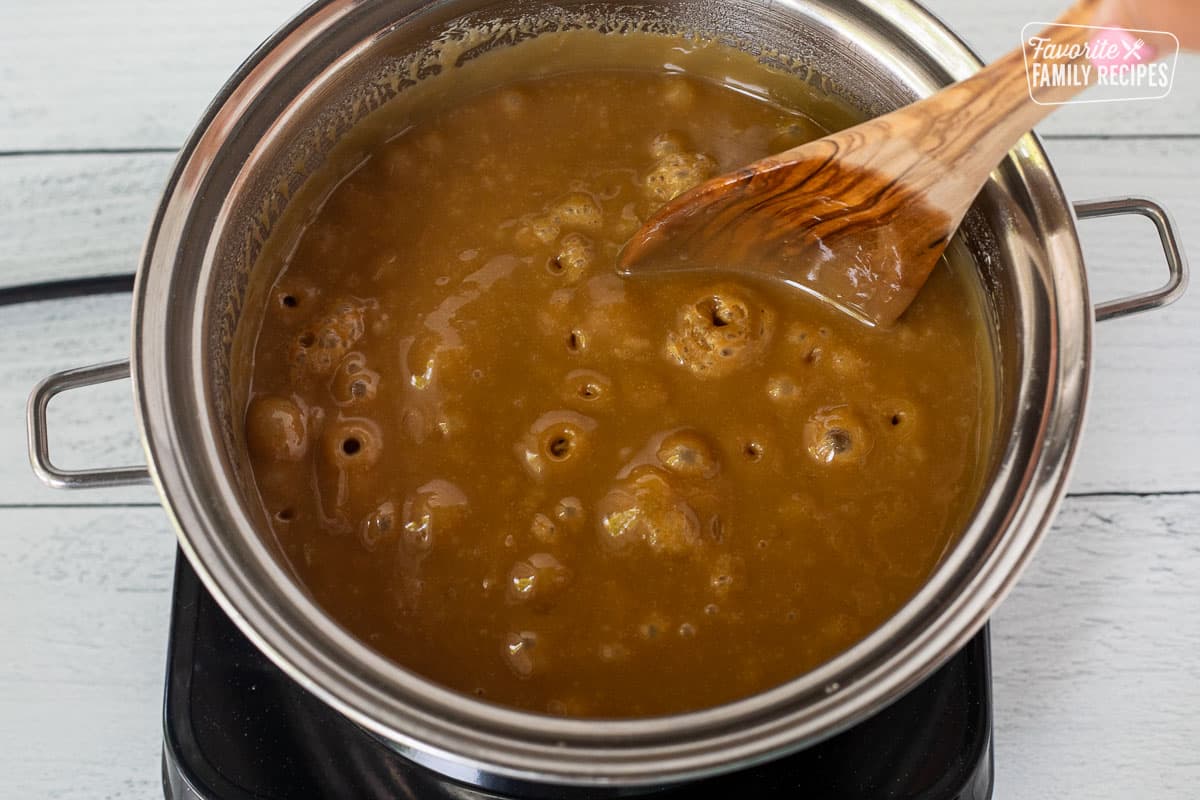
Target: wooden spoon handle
pixel 971 125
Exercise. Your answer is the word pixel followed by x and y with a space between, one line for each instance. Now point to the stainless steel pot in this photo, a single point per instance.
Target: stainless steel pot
pixel 337 61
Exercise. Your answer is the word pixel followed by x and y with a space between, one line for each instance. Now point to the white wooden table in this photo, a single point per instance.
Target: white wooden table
pixel 1096 653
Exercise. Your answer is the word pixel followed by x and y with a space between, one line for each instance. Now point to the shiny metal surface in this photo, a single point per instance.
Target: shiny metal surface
pixel 1177 267
pixel 39 435
pixel 191 292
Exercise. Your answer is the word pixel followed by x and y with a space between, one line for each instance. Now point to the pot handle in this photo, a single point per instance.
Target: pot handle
pixel 1177 281
pixel 39 440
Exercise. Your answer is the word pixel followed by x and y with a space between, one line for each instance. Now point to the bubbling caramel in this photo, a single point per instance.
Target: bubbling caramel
pixel 512 471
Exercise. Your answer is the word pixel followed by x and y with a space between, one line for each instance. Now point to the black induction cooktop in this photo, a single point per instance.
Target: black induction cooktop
pixel 235 727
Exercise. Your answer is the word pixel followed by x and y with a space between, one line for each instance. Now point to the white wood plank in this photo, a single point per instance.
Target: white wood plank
pixel 139 73
pixel 1142 432
pixel 76 215
pixel 131 73
pixel 1096 653
pixel 1096 656
pixel 84 611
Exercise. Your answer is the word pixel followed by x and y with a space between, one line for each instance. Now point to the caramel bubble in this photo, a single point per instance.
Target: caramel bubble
pixel 837 435
pixel 720 333
pixel 556 440
pixel 646 509
pixel 379 525
pixel 276 429
pixel 577 211
pixel 318 349
pixel 437 507
pixel 353 444
pixel 689 454
pixel 521 653
pixel 588 388
pixel 539 577
pixel 569 514
pixel 352 383
pixel 675 173
pixel 576 254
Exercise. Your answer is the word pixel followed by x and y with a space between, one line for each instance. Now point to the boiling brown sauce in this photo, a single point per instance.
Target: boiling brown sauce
pixel 528 479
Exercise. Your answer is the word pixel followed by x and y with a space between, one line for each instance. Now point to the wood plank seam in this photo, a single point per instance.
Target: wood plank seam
pixel 89 151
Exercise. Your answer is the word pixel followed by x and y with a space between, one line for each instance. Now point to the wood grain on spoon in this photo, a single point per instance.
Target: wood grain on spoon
pixel 859 217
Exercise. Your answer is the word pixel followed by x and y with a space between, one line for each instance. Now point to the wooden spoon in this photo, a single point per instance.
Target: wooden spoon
pixel 860 217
